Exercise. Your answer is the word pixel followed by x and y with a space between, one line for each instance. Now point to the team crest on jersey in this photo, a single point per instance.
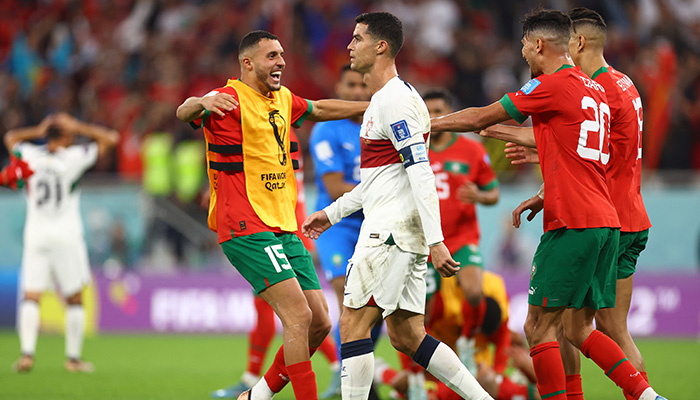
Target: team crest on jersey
pixel 534 270
pixel 530 86
pixel 400 130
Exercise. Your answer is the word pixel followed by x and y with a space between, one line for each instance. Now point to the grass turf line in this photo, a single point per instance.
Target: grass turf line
pixel 173 367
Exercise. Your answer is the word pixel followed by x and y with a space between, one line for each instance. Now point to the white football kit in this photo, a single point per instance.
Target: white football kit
pixel 54 244
pixel 399 200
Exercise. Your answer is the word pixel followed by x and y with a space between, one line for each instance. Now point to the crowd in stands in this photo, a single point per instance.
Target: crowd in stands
pixel 128 64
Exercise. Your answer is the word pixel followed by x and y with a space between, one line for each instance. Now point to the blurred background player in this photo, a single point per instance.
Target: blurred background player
pixel 54 245
pixel 335 150
pixel 464 178
pixel 260 337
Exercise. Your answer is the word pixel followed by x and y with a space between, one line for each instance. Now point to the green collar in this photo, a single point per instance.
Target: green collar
pixel 599 71
pixel 446 145
pixel 565 66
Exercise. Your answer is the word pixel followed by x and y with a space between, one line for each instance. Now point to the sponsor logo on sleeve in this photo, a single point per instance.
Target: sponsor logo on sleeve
pixel 530 86
pixel 400 130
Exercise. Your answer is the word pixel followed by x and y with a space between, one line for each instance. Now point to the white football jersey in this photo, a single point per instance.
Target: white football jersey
pixel 393 138
pixel 53 200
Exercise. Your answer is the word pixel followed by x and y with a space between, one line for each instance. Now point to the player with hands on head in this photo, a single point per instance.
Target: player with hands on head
pixel 253 197
pixel 386 275
pixel 54 244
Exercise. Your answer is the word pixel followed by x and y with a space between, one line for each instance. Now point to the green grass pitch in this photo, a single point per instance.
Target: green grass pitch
pixel 175 367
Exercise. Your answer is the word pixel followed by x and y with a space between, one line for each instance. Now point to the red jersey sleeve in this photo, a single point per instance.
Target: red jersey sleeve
pixel 301 108
pixel 533 97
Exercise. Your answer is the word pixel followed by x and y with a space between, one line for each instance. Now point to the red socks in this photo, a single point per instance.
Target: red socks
pixel 261 336
pixel 627 395
pixel 574 389
pixel 508 389
pixel 408 364
pixel 608 355
pixel 329 350
pixel 303 380
pixel 278 375
pixel 549 369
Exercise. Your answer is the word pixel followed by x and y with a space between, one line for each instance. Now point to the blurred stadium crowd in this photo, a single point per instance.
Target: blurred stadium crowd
pixel 129 64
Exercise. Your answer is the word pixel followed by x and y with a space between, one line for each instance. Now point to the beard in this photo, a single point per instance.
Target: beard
pixel 264 77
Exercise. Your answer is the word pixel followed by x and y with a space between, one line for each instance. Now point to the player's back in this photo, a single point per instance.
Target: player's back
pixel 571 119
pixel 396 118
pixel 624 171
pixel 53 198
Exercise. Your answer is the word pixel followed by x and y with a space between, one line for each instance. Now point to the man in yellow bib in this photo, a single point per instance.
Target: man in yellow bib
pixel 253 195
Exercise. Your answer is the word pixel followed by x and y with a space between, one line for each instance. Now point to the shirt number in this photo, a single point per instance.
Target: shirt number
pixel 443 185
pixel 638 108
pixel 599 125
pixel 276 255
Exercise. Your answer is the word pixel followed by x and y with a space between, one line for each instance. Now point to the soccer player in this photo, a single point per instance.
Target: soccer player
pixel 464 178
pixel 335 150
pixel 386 274
pixel 253 196
pixel 573 270
pixel 260 337
pixel 54 245
pixel 586 45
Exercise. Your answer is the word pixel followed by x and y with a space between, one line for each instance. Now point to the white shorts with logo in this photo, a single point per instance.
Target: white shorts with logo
pixel 394 278
pixel 64 262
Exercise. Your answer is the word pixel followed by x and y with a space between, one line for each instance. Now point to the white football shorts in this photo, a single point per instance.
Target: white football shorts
pixel 64 262
pixel 394 278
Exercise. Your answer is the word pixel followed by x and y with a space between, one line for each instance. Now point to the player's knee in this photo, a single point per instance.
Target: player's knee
pixel 405 343
pixel 75 299
pixel 297 317
pixel 577 336
pixel 32 296
pixel 529 329
pixel 320 328
pixel 473 295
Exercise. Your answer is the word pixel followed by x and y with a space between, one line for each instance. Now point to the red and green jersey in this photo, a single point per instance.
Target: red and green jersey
pixel 624 174
pixel 462 160
pixel 251 177
pixel 571 119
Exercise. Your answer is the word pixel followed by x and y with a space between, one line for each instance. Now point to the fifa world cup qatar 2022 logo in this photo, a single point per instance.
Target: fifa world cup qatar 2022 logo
pixel 279 128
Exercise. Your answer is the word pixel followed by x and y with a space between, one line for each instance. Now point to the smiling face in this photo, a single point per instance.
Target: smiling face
pixel 530 55
pixel 267 62
pixel 362 49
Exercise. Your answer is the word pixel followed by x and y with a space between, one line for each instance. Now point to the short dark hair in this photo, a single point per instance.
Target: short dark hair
pixel 53 133
pixel 585 16
pixel 553 21
pixel 252 38
pixel 439 94
pixel 384 26
pixel 492 317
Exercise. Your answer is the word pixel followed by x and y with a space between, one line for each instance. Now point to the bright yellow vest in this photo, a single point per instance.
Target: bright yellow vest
pixel 267 164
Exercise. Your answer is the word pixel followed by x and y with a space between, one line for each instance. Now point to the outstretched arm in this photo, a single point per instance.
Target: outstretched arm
pixel 105 138
pixel 524 136
pixel 329 109
pixel 470 119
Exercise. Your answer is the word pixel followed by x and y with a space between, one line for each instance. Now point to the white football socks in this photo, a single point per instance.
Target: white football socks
pixel 648 394
pixel 75 331
pixel 356 375
pixel 261 391
pixel 28 326
pixel 446 366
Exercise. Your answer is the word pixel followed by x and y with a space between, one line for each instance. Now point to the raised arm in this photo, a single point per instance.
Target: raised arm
pixel 14 136
pixel 330 109
pixel 106 138
pixel 470 119
pixel 524 136
pixel 195 107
